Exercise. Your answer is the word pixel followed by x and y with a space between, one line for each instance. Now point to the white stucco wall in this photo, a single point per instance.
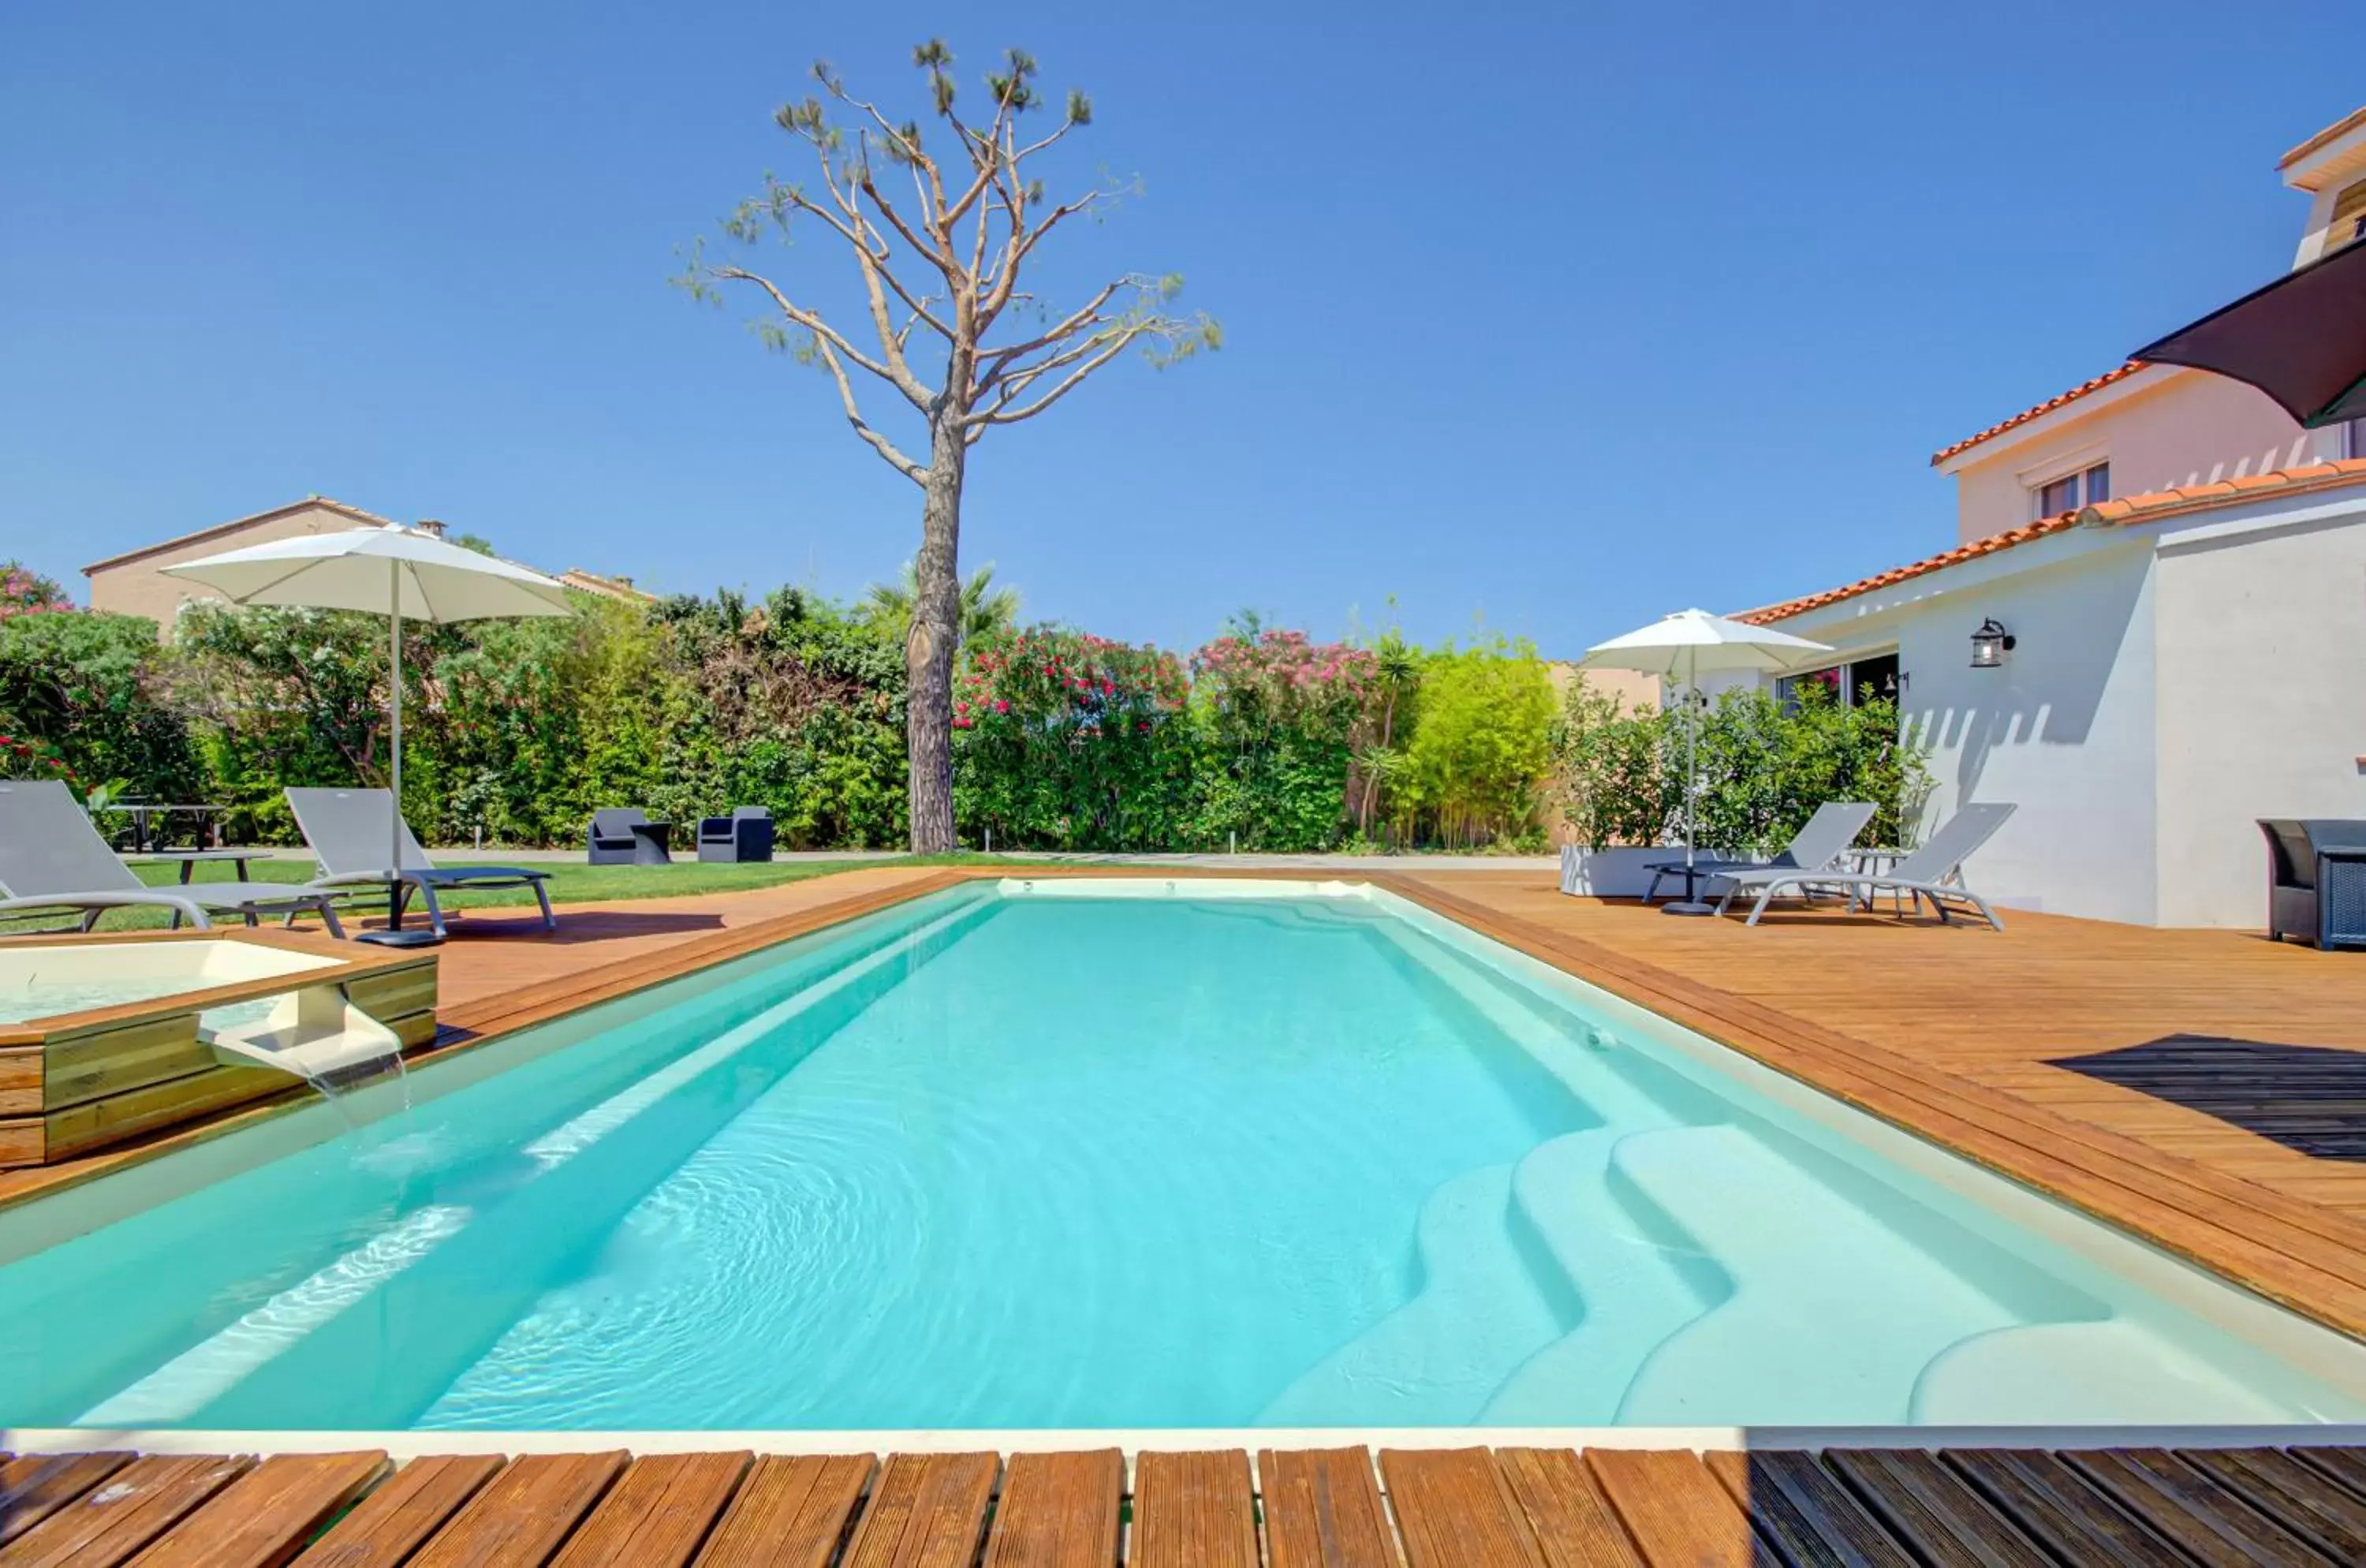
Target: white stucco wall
pixel 2175 427
pixel 2065 730
pixel 2262 694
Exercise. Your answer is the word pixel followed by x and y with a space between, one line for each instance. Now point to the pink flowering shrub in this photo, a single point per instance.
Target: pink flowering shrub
pixel 1268 681
pixel 23 592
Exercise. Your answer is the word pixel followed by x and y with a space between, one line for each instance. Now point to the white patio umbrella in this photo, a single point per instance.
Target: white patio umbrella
pixel 1686 644
pixel 401 573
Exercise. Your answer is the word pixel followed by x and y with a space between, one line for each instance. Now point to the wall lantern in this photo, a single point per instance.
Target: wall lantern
pixel 1990 644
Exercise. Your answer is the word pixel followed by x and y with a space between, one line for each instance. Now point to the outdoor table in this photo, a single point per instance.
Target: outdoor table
pixel 1878 861
pixel 141 812
pixel 190 859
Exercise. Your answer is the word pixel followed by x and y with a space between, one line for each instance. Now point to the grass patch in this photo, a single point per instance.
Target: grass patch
pixel 571 882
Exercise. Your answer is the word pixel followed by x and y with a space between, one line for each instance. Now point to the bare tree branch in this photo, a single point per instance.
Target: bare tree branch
pixel 826 335
pixel 1118 345
pixel 878 442
pixel 994 359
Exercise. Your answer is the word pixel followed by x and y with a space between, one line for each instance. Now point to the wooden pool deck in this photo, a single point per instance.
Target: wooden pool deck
pixel 1468 1507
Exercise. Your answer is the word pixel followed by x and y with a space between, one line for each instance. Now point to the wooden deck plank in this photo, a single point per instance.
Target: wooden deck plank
pixel 2318 1510
pixel 1574 1523
pixel 2189 1508
pixel 1675 1511
pixel 1935 1513
pixel 38 1485
pixel 1808 1515
pixel 1454 1510
pixel 659 1512
pixel 2345 1466
pixel 1058 1511
pixel 111 1522
pixel 1193 1510
pixel 1323 1509
pixel 521 1515
pixel 789 1512
pixel 2060 1510
pixel 410 1505
pixel 927 1511
pixel 267 1515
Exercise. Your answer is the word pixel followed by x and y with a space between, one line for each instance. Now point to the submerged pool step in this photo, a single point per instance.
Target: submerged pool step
pixel 1436 1360
pixel 2066 1373
pixel 1832 1317
pixel 1636 1276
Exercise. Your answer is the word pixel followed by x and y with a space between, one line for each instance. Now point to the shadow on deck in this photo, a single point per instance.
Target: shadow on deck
pixel 2310 1099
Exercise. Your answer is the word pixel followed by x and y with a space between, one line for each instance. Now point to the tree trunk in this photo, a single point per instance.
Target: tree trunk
pixel 934 637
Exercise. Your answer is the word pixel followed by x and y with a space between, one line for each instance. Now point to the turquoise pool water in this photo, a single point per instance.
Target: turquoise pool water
pixel 1061 1160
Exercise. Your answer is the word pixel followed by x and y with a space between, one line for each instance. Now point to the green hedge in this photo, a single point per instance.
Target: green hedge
pixel 515 731
pixel 1766 764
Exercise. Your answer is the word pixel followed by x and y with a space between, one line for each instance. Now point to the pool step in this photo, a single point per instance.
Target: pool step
pixel 2071 1373
pixel 1482 1310
pixel 1832 1316
pixel 1637 1278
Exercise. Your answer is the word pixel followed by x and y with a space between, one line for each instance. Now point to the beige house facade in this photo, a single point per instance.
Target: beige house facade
pixel 134 583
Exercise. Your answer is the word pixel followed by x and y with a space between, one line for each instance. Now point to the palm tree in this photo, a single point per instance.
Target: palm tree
pixel 984 609
pixel 1398 665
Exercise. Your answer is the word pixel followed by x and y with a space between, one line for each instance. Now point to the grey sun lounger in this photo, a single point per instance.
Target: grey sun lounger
pixel 52 858
pixel 1924 874
pixel 1831 830
pixel 347 831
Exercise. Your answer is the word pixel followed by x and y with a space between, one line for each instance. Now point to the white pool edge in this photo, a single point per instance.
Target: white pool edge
pixel 403 1446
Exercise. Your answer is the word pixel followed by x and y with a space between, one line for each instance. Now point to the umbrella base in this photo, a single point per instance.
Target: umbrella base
pixel 414 936
pixel 1688 906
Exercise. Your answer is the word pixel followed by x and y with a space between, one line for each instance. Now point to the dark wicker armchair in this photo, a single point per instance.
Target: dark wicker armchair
pixel 745 835
pixel 2317 880
pixel 623 835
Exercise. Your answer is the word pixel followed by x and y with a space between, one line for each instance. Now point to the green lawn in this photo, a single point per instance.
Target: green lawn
pixel 571 882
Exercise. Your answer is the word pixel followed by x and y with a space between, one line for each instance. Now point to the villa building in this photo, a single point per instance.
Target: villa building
pixel 134 583
pixel 2171 574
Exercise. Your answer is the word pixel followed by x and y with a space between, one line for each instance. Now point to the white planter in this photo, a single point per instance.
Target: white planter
pixel 1620 872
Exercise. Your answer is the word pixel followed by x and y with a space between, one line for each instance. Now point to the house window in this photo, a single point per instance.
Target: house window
pixel 1852 684
pixel 2073 490
pixel 2353 437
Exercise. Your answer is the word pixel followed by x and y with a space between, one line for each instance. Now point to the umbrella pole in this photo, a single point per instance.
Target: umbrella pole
pixel 1690 904
pixel 394 745
pixel 394 935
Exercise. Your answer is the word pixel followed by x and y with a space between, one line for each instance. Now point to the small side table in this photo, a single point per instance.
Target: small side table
pixel 189 861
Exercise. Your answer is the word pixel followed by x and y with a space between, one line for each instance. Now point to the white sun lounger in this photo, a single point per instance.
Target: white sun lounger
pixel 1818 843
pixel 348 833
pixel 1926 873
pixel 52 858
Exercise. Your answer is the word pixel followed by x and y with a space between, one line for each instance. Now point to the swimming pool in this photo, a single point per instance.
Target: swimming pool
pixel 1126 1154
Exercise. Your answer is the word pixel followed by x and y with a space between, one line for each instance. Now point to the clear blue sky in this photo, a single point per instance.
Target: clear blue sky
pixel 1562 316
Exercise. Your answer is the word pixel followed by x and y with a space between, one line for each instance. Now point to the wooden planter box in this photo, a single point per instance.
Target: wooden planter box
pixel 78 1081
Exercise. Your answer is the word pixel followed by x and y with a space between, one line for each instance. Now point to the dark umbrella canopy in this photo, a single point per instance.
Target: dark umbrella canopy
pixel 2302 340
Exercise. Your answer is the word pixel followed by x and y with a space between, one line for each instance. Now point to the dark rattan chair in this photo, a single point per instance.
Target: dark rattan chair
pixel 623 835
pixel 2317 880
pixel 745 835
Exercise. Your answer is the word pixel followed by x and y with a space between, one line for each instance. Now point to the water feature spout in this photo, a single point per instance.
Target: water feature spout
pixel 319 1036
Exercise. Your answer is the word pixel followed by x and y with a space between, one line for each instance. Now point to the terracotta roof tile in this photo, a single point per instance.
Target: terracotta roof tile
pixel 1961 553
pixel 2151 507
pixel 2163 503
pixel 2048 406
